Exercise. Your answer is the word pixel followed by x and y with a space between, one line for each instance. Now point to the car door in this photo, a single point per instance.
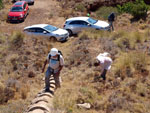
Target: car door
pixel 39 31
pixel 42 32
pixel 84 25
pixel 75 26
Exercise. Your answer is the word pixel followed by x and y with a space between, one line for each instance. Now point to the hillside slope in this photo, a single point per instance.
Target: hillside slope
pixel 22 56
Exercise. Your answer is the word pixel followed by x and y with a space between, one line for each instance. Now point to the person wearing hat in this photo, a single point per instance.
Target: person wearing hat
pixel 103 60
pixel 55 64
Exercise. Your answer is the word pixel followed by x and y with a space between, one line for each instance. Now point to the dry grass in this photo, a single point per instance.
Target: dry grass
pixel 16 52
pixel 79 71
pixel 67 13
pixel 3 15
pixel 16 107
pixel 16 40
pixel 125 95
pixel 117 95
pixel 130 63
pixel 24 91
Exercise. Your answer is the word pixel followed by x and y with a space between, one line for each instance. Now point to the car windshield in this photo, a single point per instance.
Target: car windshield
pixel 16 9
pixel 50 28
pixel 92 21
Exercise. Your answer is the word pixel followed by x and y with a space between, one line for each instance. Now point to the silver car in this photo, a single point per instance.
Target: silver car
pixel 77 24
pixel 49 31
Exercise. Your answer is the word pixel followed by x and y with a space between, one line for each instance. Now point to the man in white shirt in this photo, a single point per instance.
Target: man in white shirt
pixel 105 62
pixel 56 62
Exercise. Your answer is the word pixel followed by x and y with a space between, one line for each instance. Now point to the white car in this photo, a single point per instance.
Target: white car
pixel 47 31
pixel 76 24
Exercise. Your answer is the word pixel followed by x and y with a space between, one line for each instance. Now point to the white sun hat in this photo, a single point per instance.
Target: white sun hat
pixel 105 54
pixel 100 57
pixel 54 52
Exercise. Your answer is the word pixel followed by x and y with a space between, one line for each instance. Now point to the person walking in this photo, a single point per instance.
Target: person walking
pixel 56 62
pixel 111 19
pixel 105 62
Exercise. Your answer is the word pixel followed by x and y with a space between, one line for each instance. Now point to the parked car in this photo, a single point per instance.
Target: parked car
pixel 76 24
pixel 30 2
pixel 47 31
pixel 18 12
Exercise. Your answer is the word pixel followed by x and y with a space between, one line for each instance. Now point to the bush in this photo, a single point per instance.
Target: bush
pixel 129 63
pixel 7 93
pixel 17 39
pixel 80 7
pixel 105 11
pixel 128 41
pixel 1 4
pixel 14 107
pixel 138 9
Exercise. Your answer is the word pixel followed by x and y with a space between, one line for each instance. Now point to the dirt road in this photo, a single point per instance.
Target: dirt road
pixel 43 11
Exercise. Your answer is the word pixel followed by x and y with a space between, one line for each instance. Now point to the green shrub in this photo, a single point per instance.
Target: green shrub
pixel 1 4
pixel 80 7
pixel 105 11
pixel 138 9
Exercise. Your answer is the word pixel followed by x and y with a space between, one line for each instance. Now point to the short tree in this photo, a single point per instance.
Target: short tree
pixel 138 8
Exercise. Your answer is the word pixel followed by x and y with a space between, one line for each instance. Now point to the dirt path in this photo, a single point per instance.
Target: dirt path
pixel 39 13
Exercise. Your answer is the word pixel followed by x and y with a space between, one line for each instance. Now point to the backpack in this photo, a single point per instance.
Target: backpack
pixel 60 53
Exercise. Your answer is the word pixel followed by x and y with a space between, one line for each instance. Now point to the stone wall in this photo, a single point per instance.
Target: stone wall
pixel 43 102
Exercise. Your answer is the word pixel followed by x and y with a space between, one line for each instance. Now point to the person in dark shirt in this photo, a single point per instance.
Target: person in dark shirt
pixel 111 19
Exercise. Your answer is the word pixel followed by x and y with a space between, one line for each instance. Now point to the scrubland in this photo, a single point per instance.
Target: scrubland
pixel 127 88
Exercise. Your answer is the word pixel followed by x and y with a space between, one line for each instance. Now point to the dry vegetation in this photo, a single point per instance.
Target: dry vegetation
pixel 21 62
pixel 127 86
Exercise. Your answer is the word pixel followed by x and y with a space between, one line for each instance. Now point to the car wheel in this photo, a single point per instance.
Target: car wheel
pixel 23 19
pixel 70 32
pixel 52 38
pixel 7 21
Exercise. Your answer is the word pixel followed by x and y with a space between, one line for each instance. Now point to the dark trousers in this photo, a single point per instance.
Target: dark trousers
pixel 111 25
pixel 103 74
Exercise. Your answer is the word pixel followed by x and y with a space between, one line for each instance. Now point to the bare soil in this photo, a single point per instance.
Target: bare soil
pixel 39 13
